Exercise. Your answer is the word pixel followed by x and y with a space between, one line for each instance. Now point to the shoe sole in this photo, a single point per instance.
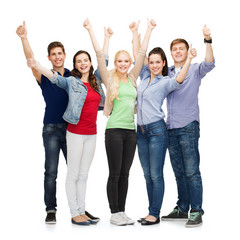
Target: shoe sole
pixel 52 222
pixel 194 225
pixel 175 219
pixel 96 220
pixel 118 224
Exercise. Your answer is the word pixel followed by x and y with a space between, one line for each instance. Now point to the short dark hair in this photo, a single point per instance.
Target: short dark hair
pixel 54 45
pixel 179 40
pixel 158 50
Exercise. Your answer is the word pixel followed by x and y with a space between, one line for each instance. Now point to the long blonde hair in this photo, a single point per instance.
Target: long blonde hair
pixel 113 93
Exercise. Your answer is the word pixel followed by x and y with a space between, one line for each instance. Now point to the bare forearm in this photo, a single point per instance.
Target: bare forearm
pixel 135 44
pixel 209 53
pixel 46 72
pixel 95 43
pixel 146 39
pixel 26 48
pixel 183 73
pixel 106 45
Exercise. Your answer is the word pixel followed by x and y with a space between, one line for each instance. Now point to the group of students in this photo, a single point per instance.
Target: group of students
pixel 73 99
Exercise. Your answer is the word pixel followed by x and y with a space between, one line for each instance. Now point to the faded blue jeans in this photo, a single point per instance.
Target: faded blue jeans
pixel 54 140
pixel 152 146
pixel 185 160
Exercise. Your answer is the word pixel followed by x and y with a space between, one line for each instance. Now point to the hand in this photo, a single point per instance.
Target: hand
pixel 192 52
pixel 22 30
pixel 87 24
pixel 31 62
pixel 206 32
pixel 134 26
pixel 108 32
pixel 151 24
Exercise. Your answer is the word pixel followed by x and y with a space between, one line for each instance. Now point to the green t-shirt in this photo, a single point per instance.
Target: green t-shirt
pixel 122 115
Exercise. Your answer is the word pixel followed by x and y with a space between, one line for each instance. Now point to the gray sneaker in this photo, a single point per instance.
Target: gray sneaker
pixel 175 215
pixel 50 218
pixel 195 219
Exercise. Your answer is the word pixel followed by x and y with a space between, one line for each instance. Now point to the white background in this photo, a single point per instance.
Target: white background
pixel 22 107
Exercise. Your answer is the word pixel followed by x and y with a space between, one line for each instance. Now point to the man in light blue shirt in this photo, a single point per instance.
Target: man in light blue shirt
pixel 183 131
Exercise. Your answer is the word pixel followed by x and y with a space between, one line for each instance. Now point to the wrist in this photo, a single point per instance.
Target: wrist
pixel 189 59
pixel 24 38
pixel 208 40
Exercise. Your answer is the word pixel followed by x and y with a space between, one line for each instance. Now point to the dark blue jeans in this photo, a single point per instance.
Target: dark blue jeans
pixel 54 140
pixel 152 146
pixel 185 160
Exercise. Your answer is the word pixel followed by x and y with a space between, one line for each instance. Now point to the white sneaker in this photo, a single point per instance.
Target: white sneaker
pixel 118 219
pixel 128 219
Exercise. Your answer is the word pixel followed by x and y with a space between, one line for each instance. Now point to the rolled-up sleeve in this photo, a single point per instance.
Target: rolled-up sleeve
pixel 145 72
pixel 206 67
pixel 60 81
pixel 173 84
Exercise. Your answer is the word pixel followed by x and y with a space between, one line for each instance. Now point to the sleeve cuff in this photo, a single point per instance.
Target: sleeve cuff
pixel 54 77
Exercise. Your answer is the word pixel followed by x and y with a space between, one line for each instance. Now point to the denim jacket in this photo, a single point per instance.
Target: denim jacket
pixel 77 93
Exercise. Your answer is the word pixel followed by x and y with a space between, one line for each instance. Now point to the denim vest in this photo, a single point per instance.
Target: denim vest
pixel 77 93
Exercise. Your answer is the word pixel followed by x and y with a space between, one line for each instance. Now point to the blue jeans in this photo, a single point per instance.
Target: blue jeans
pixel 54 140
pixel 185 160
pixel 152 146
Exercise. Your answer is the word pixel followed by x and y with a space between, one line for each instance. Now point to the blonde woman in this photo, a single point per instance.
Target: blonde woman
pixel 120 135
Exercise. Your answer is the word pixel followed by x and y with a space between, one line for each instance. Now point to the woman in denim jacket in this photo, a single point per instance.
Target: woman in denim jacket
pixel 86 96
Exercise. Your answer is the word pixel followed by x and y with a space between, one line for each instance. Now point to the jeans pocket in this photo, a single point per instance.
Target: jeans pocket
pixel 159 131
pixel 49 129
pixel 191 127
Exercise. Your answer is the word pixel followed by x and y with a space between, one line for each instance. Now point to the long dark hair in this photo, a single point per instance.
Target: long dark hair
pixel 158 50
pixel 91 78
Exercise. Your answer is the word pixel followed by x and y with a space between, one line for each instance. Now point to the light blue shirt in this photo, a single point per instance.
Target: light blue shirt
pixel 150 97
pixel 182 104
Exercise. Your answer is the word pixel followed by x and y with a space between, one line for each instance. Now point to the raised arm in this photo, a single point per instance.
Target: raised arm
pixel 22 33
pixel 151 25
pixel 192 53
pixel 107 35
pixel 209 51
pixel 143 49
pixel 93 38
pixel 100 55
pixel 136 37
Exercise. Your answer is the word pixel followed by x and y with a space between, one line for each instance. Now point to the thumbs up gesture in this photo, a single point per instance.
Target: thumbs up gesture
pixel 22 30
pixel 206 32
pixel 192 52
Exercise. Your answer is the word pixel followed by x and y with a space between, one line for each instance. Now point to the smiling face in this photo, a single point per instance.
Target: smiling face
pixel 156 64
pixel 122 62
pixel 83 63
pixel 57 57
pixel 179 53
